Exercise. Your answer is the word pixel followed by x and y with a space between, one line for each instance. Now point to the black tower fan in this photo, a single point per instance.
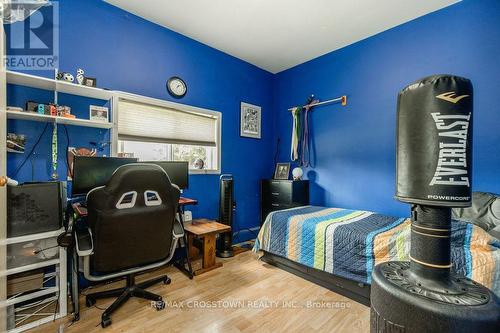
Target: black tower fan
pixel 226 207
pixel 434 159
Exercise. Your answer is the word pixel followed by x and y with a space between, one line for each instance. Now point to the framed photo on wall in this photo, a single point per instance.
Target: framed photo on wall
pixel 250 121
pixel 282 171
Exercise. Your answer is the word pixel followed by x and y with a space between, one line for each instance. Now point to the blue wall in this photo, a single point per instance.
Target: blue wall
pixel 130 54
pixel 355 145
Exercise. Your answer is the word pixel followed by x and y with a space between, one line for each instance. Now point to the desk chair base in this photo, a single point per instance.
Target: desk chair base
pixel 131 290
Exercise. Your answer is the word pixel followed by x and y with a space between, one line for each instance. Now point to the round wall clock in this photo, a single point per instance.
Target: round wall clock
pixel 176 87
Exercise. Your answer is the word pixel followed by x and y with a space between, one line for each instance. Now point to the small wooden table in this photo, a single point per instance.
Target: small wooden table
pixel 206 230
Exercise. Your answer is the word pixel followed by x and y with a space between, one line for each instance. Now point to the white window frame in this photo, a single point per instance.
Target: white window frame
pixel 122 96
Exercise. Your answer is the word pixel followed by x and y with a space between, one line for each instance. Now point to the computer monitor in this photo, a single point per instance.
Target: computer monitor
pixel 177 171
pixel 90 172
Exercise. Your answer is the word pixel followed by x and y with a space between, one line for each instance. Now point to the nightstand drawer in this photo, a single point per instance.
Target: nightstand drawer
pixel 271 207
pixel 282 194
pixel 276 192
pixel 277 206
pixel 284 197
pixel 278 186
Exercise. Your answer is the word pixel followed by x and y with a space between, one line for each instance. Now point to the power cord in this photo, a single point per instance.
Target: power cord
pixel 57 306
pixel 31 151
pixel 32 161
pixel 236 234
pixel 44 249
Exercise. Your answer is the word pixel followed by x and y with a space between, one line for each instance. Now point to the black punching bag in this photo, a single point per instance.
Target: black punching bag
pixel 434 150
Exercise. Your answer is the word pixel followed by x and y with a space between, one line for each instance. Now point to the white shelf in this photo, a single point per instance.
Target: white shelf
pixel 58 120
pixel 31 295
pixel 60 276
pixel 32 237
pixel 37 265
pixel 39 82
pixel 30 81
pixel 35 323
pixel 80 90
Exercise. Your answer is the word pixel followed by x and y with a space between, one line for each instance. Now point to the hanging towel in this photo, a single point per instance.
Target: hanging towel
pixel 294 153
pixel 306 153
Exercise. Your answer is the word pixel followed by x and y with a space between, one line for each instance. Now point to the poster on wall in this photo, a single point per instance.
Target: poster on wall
pixel 78 151
pixel 250 121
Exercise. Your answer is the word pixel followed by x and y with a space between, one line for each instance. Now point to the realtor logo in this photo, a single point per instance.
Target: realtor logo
pixel 32 35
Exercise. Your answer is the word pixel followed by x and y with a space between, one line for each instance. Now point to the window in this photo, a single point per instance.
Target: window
pixel 154 130
pixel 151 151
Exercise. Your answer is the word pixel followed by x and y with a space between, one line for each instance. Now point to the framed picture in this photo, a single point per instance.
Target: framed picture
pixel 89 81
pixel 250 121
pixel 125 155
pixel 282 171
pixel 99 113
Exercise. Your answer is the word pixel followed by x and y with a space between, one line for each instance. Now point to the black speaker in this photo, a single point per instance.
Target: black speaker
pixel 434 173
pixel 224 246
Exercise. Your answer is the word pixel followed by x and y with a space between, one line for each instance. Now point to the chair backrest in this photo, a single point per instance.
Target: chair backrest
pixel 131 218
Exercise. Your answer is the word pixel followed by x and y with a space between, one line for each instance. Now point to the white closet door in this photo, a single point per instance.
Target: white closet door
pixel 3 173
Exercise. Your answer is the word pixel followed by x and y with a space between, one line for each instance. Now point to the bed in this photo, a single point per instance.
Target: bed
pixel 338 248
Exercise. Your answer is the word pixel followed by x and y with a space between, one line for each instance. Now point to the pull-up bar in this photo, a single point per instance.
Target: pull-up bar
pixel 342 99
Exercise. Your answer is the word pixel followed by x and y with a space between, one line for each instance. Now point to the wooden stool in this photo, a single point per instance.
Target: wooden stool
pixel 206 230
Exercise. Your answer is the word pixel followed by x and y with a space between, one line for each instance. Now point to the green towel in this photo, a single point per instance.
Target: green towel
pixel 294 154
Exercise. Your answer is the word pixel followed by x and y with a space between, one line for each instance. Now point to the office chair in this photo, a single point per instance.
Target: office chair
pixel 132 227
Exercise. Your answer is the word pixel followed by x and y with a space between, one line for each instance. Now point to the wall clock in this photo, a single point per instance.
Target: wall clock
pixel 176 87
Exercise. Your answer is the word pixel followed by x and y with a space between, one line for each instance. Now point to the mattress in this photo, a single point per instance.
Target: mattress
pixel 349 243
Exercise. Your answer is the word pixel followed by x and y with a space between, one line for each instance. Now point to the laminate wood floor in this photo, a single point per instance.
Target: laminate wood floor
pixel 245 295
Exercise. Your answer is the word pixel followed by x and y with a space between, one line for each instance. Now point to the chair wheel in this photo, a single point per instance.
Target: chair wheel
pixel 159 305
pixel 76 317
pixel 105 322
pixel 167 280
pixel 89 302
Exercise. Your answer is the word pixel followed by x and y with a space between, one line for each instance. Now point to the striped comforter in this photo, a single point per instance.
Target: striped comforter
pixel 349 243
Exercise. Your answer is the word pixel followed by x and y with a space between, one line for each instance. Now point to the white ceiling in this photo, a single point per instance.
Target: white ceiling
pixel 278 34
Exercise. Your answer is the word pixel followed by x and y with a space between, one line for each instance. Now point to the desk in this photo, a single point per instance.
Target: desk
pixel 185 260
pixel 207 231
pixel 187 201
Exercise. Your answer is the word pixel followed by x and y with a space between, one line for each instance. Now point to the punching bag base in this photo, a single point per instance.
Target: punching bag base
pixel 401 304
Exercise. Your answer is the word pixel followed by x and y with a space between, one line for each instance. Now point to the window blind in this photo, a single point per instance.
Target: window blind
pixel 153 123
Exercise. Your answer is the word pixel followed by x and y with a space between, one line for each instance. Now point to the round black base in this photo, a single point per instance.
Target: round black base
pixel 402 303
pixel 224 254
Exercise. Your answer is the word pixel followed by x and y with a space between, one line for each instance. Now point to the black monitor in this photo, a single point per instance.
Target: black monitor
pixel 177 171
pixel 90 172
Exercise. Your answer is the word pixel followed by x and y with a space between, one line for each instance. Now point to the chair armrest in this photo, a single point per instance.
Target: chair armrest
pixel 178 230
pixel 84 242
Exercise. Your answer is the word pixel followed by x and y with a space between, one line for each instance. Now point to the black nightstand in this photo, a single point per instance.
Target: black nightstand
pixel 282 194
